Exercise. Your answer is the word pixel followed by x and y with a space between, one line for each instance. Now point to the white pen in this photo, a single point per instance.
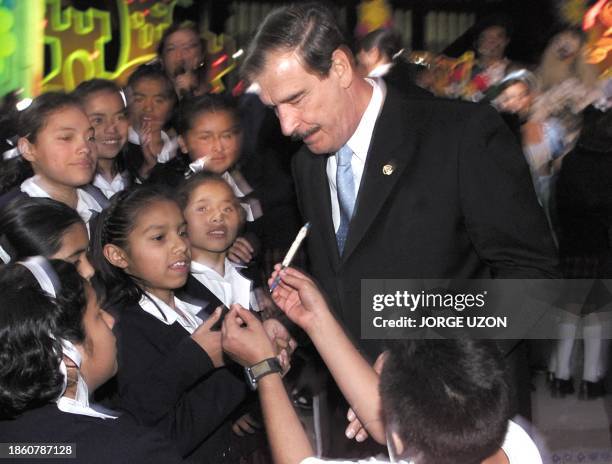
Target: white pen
pixel 197 166
pixel 291 253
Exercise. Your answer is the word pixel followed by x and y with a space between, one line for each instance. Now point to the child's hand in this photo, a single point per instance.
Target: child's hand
pixel 245 424
pixel 148 151
pixel 210 341
pixel 298 297
pixel 284 343
pixel 241 251
pixel 243 337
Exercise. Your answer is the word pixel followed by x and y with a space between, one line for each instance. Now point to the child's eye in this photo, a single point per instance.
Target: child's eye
pixel 229 209
pixel 202 209
pixel 158 238
pixel 96 121
pixel 65 137
pixel 122 117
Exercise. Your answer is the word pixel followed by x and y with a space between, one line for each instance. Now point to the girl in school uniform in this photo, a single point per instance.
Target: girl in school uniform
pixel 45 227
pixel 57 345
pixel 209 131
pixel 170 363
pixel 105 106
pixel 151 101
pixel 54 156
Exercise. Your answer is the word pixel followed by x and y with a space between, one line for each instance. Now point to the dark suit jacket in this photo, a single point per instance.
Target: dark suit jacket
pixel 458 204
pixel 97 441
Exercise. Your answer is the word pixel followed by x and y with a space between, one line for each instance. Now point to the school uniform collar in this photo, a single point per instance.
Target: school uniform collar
pixel 381 70
pixel 240 193
pixel 241 286
pixel 117 184
pixel 86 204
pixel 161 311
pixel 74 406
pixel 359 142
pixel 168 150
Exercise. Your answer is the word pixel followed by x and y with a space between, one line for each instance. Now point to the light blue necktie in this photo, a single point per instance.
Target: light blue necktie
pixel 345 185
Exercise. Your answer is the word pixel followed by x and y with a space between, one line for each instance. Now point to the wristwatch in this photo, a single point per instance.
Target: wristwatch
pixel 261 369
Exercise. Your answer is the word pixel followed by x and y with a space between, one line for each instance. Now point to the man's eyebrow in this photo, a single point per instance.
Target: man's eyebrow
pixel 292 97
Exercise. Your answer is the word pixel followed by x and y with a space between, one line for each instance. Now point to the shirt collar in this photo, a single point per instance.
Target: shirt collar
pixel 359 142
pixel 200 268
pixel 381 70
pixel 86 204
pixel 168 150
pixel 164 313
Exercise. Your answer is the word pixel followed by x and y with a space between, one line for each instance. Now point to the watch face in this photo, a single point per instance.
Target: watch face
pixel 260 368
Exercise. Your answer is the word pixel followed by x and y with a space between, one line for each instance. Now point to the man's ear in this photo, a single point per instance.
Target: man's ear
pixel 182 145
pixel 342 66
pixel 116 256
pixel 26 149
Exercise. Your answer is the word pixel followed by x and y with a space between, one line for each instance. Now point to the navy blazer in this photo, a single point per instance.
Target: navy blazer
pixel 167 378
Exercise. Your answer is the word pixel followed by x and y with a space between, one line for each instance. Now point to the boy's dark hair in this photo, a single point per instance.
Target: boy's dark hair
pixel 155 72
pixel 191 108
pixel 31 326
pixel 310 29
pixel 114 286
pixel 447 399
pixel 35 226
pixel 387 41
pixel 30 122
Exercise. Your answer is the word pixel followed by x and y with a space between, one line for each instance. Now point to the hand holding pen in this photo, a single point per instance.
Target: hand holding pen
pixel 291 253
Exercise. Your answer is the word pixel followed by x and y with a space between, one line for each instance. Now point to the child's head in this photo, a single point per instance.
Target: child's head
pixel 32 325
pixel 140 244
pixel 210 126
pixel 445 401
pixel 180 48
pixel 213 213
pixel 45 227
pixel 151 97
pixel 55 141
pixel 105 106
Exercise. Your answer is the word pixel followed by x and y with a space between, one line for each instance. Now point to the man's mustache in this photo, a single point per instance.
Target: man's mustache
pixel 299 136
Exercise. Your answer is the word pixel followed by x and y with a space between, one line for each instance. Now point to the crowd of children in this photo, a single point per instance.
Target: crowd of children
pixel 125 225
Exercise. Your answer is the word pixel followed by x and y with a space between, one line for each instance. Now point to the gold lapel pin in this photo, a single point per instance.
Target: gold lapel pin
pixel 388 169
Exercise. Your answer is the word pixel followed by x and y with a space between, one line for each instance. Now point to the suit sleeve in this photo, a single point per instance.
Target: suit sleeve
pixel 179 391
pixel 503 218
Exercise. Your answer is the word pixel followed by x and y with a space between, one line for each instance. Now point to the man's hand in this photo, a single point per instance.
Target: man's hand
pixel 244 339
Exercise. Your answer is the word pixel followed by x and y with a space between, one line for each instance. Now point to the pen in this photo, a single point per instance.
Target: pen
pixel 291 253
pixel 197 166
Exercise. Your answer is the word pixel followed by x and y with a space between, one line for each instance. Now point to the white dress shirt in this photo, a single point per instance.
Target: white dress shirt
pixel 230 288
pixel 185 313
pixel 168 150
pixel 119 183
pixel 359 143
pixel 86 204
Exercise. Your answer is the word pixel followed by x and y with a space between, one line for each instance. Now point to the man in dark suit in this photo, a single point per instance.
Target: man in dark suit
pixel 431 189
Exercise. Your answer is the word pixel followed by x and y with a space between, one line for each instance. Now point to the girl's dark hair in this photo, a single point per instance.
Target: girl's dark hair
pixel 31 326
pixel 191 108
pixel 186 188
pixel 30 122
pixel 116 288
pixel 152 71
pixel 35 226
pixel 87 88
pixel 387 41
pixel 184 26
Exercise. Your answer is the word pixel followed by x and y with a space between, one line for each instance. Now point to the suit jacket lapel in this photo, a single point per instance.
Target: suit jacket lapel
pixel 393 145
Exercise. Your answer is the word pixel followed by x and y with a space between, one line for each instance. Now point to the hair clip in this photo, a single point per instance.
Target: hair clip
pixel 43 273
